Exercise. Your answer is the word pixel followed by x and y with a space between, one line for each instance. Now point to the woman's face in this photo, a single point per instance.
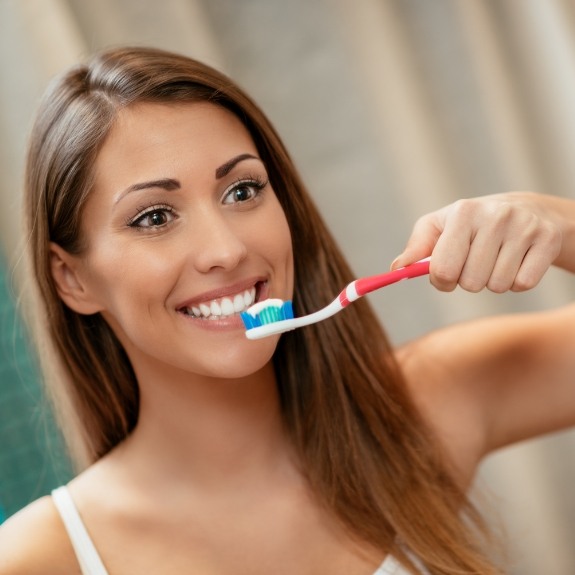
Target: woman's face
pixel 183 231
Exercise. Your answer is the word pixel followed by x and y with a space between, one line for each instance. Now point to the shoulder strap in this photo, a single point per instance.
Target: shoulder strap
pixel 88 558
pixel 390 567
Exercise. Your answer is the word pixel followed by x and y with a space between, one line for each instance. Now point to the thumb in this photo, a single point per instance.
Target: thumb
pixel 420 244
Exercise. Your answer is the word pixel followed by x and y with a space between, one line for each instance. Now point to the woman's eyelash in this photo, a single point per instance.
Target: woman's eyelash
pixel 257 183
pixel 144 212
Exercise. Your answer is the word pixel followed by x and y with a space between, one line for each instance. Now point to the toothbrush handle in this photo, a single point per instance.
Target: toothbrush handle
pixel 363 286
pixel 366 285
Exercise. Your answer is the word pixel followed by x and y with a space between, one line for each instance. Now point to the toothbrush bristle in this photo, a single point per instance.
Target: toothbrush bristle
pixel 270 313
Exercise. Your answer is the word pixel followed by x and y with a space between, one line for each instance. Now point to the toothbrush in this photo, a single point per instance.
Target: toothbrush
pixel 273 316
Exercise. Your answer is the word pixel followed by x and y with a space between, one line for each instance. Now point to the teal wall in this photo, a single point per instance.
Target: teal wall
pixel 32 459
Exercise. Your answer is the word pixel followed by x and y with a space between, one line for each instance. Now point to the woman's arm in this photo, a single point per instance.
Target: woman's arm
pixel 495 381
pixel 488 383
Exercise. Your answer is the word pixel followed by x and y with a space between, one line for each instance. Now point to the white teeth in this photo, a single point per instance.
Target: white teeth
pixel 224 307
pixel 227 306
pixel 205 309
pixel 239 303
pixel 250 297
pixel 215 308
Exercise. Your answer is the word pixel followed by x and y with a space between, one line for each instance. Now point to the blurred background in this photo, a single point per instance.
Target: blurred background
pixel 390 108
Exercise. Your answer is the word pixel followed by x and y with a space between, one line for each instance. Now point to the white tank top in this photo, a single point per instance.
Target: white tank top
pixel 90 561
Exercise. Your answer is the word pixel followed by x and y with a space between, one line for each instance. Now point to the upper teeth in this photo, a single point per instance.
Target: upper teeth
pixel 225 306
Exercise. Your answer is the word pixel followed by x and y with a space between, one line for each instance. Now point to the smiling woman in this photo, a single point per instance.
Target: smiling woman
pixel 160 203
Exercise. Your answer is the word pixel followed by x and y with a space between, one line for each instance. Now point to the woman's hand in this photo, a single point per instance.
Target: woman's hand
pixel 503 242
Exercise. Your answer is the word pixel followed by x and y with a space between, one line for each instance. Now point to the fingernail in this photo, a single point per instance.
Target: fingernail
pixel 394 263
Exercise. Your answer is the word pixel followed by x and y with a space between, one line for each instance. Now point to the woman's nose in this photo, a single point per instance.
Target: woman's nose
pixel 219 245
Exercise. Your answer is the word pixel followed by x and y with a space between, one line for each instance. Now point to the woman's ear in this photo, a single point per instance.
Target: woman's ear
pixel 71 288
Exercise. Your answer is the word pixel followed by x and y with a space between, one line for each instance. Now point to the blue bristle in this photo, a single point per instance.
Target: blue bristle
pixel 287 310
pixel 249 320
pixel 268 315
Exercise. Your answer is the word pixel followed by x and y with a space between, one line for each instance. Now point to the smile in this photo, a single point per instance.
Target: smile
pixel 222 307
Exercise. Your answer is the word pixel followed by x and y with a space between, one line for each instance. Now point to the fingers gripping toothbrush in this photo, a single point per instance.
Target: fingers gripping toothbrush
pixel 273 316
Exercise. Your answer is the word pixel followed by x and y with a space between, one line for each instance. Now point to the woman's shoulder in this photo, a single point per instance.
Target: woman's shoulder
pixel 34 541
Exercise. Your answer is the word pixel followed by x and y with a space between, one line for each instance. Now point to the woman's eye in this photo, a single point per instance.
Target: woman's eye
pixel 243 192
pixel 153 218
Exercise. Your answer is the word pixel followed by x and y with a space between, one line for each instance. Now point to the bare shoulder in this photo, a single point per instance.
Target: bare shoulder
pixel 34 542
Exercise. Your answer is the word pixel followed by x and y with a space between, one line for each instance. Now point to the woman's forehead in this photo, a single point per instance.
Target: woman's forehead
pixel 149 135
pixel 148 127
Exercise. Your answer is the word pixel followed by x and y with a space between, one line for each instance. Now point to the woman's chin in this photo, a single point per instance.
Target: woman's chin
pixel 239 364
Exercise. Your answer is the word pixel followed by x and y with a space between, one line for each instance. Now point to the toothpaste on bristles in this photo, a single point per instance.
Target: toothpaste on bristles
pixel 266 312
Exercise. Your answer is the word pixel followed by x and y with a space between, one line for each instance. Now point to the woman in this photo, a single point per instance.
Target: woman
pixel 159 203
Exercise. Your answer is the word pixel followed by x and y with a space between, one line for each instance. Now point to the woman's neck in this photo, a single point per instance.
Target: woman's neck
pixel 209 431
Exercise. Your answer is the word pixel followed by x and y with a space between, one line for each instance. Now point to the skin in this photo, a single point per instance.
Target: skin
pixel 210 420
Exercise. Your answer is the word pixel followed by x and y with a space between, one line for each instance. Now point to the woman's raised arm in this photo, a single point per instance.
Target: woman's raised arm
pixel 487 383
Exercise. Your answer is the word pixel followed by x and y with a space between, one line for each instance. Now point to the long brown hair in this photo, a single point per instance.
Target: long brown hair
pixel 364 447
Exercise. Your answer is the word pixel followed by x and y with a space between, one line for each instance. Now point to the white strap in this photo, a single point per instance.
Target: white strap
pixel 90 562
pixel 390 566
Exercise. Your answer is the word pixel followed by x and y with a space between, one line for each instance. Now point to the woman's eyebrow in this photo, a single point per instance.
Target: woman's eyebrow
pixel 170 184
pixel 167 184
pixel 226 168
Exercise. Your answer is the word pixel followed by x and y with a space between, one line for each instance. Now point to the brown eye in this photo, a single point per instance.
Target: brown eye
pixel 155 217
pixel 244 191
pixel 242 194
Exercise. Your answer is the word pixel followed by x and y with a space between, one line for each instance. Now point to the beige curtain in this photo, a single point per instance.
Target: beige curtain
pixel 391 108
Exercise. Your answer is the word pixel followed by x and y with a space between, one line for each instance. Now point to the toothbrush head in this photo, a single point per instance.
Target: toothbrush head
pixel 266 312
